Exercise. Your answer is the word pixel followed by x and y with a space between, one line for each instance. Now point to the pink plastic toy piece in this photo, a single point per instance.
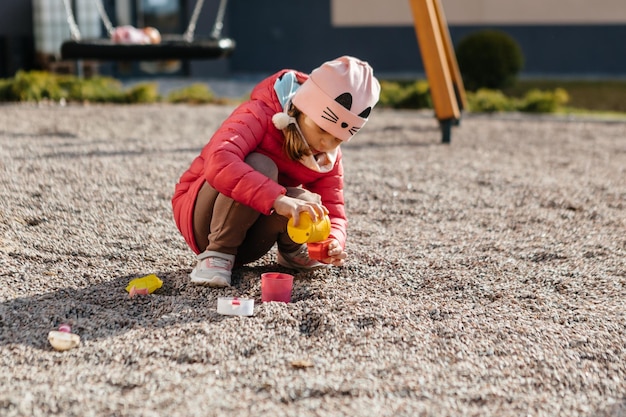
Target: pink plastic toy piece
pixel 137 291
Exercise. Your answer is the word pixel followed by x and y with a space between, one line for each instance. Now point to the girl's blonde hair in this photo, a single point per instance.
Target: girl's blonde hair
pixel 294 146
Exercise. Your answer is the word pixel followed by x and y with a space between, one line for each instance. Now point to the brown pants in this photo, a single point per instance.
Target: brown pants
pixel 221 224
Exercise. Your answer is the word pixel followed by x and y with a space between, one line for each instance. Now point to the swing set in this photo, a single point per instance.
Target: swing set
pixel 172 47
pixel 446 85
pixel 442 70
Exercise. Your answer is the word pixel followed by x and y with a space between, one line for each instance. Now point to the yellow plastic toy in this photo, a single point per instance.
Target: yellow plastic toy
pixel 307 231
pixel 148 284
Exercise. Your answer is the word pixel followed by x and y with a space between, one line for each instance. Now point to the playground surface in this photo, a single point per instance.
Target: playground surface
pixel 486 277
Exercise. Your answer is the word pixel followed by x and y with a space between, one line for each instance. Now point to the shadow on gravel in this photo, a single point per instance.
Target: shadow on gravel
pixel 116 153
pixel 106 310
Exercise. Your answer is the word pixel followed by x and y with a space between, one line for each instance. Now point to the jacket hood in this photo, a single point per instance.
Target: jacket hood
pixel 264 91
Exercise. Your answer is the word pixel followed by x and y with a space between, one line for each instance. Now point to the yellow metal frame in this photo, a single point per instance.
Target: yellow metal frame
pixel 442 70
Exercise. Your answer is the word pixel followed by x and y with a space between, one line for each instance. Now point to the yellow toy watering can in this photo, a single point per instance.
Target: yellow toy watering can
pixel 308 231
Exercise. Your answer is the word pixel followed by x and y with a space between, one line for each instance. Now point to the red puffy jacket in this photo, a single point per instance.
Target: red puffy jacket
pixel 221 163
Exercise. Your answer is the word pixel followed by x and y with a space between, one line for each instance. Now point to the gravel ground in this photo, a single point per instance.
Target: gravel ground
pixel 486 277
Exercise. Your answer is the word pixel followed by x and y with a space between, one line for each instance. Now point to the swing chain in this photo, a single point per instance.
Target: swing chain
pixel 74 30
pixel 219 20
pixel 191 28
pixel 217 27
pixel 71 21
pixel 104 17
pixel 189 33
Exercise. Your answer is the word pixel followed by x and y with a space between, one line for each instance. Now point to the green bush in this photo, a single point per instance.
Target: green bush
pixel 35 86
pixel 40 85
pixel 414 95
pixel 193 94
pixel 143 93
pixel 489 101
pixel 489 59
pixel 537 101
pixel 391 93
pixel 96 89
pixel 5 89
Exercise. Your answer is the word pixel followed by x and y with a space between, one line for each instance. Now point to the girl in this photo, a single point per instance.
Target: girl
pixel 276 156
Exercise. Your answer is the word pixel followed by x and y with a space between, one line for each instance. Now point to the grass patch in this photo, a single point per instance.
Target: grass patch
pixel 590 95
pixel 603 98
pixel 41 85
pixel 193 94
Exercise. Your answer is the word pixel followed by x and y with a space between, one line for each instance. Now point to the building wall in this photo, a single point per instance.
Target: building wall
pixel 557 37
pixel 16 36
pixel 481 12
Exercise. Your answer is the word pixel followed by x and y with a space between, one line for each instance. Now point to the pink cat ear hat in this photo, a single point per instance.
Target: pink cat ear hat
pixel 339 96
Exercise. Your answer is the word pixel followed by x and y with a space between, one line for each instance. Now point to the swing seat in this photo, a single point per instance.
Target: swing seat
pixel 172 47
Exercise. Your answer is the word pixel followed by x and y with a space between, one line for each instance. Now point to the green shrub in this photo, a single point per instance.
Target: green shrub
pixel 193 94
pixel 489 59
pixel 537 101
pixel 6 86
pixel 38 85
pixel 41 85
pixel 95 89
pixel 417 96
pixel 390 93
pixel 489 101
pixel 35 86
pixel 143 93
pixel 414 95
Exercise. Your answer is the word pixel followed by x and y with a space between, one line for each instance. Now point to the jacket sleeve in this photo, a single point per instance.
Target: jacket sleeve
pixel 330 188
pixel 224 158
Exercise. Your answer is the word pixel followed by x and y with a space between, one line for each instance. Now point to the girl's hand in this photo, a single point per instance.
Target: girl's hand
pixel 336 255
pixel 292 207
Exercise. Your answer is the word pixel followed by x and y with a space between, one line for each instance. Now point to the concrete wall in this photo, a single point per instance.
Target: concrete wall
pixel 481 12
pixel 558 37
pixel 16 36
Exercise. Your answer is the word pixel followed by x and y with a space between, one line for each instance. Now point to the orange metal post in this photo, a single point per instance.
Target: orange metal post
pixel 455 73
pixel 439 63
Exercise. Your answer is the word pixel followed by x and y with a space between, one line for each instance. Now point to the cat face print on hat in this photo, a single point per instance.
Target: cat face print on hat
pixel 339 96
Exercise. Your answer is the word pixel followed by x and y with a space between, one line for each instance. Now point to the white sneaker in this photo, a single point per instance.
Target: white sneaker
pixel 300 260
pixel 213 269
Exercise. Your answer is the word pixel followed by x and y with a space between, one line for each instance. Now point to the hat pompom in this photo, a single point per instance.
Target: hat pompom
pixel 282 120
